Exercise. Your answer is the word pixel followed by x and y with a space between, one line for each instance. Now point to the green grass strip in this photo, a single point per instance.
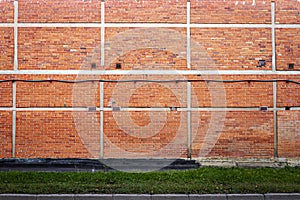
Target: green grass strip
pixel 203 180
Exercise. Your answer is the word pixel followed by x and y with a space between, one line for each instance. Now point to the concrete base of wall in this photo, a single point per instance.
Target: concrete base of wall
pixel 294 196
pixel 248 163
pixel 93 165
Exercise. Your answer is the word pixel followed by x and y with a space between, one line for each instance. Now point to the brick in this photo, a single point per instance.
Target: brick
pixel 62 48
pixel 141 134
pixel 6 48
pixel 231 11
pixel 7 11
pixel 145 94
pixel 5 134
pixel 287 11
pixel 232 134
pixel 173 11
pixel 230 48
pixel 54 94
pixel 152 49
pixel 288 134
pixel 288 93
pixel 288 48
pixel 59 11
pixel 5 92
pixel 57 134
pixel 242 94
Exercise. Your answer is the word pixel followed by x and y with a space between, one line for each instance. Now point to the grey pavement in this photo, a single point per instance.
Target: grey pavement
pixel 270 196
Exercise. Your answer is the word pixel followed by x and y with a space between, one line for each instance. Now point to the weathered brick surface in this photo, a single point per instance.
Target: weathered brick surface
pixel 7 11
pixel 150 134
pixel 6 48
pixel 288 134
pixel 143 94
pixel 153 49
pixel 54 94
pixel 5 92
pixel 57 134
pixel 58 48
pixel 288 48
pixel 287 11
pixel 231 11
pixel 244 134
pixel 59 11
pixel 173 11
pixel 145 134
pixel 288 93
pixel 242 94
pixel 231 48
pixel 5 134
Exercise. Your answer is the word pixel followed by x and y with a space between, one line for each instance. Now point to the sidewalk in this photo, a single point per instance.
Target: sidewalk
pixel 277 196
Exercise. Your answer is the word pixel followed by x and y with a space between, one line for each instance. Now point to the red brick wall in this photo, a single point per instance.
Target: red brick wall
pixel 231 11
pixel 53 134
pixel 247 47
pixel 59 11
pixel 288 93
pixel 48 126
pixel 145 95
pixel 57 48
pixel 173 11
pixel 287 11
pixel 7 11
pixel 5 93
pixel 243 94
pixel 5 134
pixel 154 49
pixel 246 134
pixel 136 135
pixel 6 48
pixel 288 48
pixel 288 134
pixel 55 94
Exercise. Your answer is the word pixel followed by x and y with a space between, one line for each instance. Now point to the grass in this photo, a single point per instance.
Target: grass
pixel 203 180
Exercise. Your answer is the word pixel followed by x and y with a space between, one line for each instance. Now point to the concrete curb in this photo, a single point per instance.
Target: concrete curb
pixel 270 196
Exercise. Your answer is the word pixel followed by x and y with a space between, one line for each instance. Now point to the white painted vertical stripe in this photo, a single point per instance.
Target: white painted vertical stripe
pixel 14 119
pixel 274 83
pixel 275 119
pixel 14 87
pixel 101 120
pixel 102 84
pixel 189 142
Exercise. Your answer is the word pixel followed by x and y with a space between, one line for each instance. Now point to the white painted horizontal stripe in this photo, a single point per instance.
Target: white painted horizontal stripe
pixel 6 24
pixel 287 25
pixel 148 72
pixel 150 25
pixel 63 25
pixel 143 109
pixel 231 26
pixel 146 25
